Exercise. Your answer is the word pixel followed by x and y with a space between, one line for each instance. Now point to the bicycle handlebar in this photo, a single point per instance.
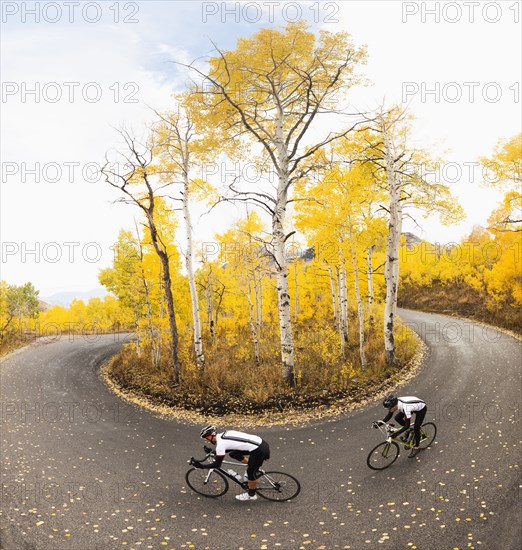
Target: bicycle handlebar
pixel 208 453
pixel 377 423
pixel 386 429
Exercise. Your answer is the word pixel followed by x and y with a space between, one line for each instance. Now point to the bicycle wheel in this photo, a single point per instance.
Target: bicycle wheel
pixel 428 433
pixel 278 486
pixel 207 483
pixel 382 456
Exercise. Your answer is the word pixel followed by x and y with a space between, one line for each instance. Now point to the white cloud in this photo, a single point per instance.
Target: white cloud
pixel 65 136
pixel 140 57
pixel 427 54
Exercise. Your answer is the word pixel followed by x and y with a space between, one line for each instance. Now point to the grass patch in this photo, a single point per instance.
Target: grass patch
pixel 463 300
pixel 234 383
pixel 10 341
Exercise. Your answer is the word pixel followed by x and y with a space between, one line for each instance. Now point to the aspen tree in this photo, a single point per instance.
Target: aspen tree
pixel 271 89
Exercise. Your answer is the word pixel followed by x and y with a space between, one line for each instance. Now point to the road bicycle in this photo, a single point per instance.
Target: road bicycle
pixel 276 486
pixel 386 453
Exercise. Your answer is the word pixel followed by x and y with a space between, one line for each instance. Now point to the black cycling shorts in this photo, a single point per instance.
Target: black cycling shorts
pixel 255 458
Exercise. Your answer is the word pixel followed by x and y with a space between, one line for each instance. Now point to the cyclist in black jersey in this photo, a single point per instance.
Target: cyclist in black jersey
pixel 406 407
pixel 247 448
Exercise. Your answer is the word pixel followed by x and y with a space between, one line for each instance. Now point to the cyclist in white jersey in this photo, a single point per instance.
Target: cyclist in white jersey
pixel 406 406
pixel 247 448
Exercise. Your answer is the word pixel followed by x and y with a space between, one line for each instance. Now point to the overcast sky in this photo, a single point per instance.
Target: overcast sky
pixel 99 65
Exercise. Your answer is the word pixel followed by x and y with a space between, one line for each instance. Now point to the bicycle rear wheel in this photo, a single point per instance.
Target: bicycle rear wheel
pixel 278 486
pixel 428 433
pixel 383 455
pixel 208 483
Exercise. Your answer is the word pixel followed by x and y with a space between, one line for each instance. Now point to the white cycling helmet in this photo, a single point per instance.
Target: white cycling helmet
pixel 207 430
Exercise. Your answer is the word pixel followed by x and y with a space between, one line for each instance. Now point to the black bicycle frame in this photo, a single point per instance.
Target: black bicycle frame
pixel 233 478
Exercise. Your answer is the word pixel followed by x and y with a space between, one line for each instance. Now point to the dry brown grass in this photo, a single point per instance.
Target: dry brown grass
pixel 10 341
pixel 233 382
pixel 461 300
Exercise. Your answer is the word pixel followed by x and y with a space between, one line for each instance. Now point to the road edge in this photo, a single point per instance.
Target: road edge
pixel 293 417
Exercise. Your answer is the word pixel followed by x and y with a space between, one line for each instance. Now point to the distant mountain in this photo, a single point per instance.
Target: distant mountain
pixel 65 298
pixel 43 306
pixel 411 239
pixel 308 254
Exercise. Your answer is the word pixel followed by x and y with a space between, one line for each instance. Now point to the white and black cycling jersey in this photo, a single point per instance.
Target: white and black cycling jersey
pixel 232 440
pixel 409 405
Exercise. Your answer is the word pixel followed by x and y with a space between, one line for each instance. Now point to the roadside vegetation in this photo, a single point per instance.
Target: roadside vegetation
pixel 479 277
pixel 236 382
pixel 17 304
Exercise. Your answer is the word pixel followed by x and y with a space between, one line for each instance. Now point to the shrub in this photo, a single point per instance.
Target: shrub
pixel 234 382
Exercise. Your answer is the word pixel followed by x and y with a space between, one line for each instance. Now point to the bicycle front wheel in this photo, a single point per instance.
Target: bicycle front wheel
pixel 382 456
pixel 278 486
pixel 209 483
pixel 428 432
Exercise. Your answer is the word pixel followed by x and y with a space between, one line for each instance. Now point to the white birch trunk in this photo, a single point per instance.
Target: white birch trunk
pixel 283 298
pixel 154 340
pixel 391 269
pixel 360 313
pixel 198 343
pixel 156 333
pixel 254 338
pixel 369 273
pixel 251 324
pixel 296 307
pixel 396 263
pixel 343 301
pixel 137 325
pixel 278 236
pixel 334 298
pixel 340 323
pixel 257 298
pixel 260 289
pixel 344 296
pixel 165 276
pixel 210 308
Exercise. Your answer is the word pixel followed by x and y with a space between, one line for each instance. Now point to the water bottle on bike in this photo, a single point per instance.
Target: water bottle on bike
pixel 234 474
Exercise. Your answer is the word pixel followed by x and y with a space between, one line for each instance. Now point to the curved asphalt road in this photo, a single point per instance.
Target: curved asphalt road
pixel 83 470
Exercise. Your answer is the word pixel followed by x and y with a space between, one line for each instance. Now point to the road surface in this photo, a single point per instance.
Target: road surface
pixel 82 469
